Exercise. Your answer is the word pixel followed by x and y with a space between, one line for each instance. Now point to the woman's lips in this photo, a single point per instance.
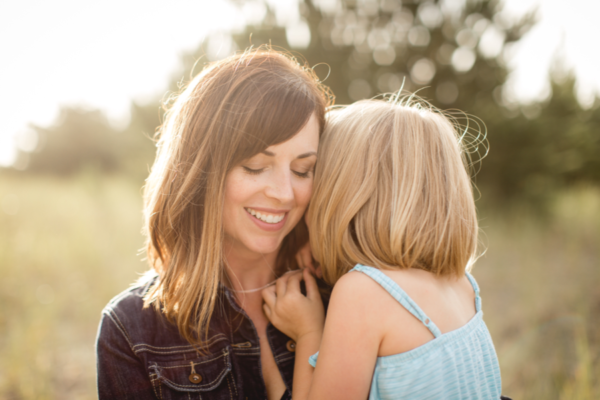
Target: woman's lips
pixel 269 220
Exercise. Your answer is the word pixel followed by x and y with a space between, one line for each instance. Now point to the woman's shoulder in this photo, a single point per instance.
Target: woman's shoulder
pixel 127 311
pixel 132 298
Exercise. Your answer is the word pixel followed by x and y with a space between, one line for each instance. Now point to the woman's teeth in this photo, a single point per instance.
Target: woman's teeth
pixel 268 218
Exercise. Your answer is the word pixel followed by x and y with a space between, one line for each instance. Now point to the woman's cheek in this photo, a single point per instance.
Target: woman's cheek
pixel 303 195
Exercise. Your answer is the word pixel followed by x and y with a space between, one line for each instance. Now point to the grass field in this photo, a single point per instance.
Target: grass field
pixel 68 246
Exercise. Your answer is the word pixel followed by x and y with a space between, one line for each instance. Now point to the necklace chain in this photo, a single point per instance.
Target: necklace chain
pixel 254 290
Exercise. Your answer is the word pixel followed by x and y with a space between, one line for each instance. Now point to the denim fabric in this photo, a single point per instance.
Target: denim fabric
pixel 140 355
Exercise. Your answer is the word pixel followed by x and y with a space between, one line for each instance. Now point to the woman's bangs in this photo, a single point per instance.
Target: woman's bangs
pixel 278 114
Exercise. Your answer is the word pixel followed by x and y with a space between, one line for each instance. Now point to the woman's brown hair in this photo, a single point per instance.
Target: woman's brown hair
pixel 234 109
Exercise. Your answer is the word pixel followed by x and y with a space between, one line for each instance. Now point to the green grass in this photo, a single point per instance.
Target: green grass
pixel 68 246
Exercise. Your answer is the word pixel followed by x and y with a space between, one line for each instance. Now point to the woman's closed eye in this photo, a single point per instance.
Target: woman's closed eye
pixel 253 171
pixel 303 168
pixel 303 174
pixel 257 171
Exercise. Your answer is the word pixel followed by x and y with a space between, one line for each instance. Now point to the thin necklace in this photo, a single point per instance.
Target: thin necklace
pixel 254 290
pixel 250 290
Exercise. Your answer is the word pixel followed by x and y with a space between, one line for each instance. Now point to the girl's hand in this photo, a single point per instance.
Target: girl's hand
pixel 305 259
pixel 289 310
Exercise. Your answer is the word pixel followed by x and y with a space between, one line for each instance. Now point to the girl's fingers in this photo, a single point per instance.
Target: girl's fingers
pixel 312 290
pixel 281 285
pixel 293 283
pixel 306 258
pixel 267 310
pixel 269 296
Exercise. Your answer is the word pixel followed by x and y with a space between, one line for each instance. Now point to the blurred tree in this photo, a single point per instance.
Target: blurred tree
pixel 137 145
pixel 451 52
pixel 84 138
pixel 545 147
pixel 79 137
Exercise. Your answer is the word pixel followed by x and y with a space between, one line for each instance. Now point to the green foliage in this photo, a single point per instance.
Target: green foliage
pixel 451 57
pixel 138 139
pixel 370 47
pixel 79 137
pixel 83 139
pixel 530 158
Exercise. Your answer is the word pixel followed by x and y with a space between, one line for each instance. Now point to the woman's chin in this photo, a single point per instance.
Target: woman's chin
pixel 264 246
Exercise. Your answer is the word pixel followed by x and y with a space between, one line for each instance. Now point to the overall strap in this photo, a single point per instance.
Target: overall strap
pixel 400 295
pixel 476 289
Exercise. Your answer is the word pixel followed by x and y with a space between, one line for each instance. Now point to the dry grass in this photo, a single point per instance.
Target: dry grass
pixel 68 246
pixel 540 282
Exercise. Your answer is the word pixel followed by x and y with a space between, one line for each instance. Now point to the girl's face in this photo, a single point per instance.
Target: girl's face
pixel 266 195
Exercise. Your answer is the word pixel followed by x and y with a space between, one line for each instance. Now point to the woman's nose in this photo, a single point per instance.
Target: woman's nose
pixel 280 187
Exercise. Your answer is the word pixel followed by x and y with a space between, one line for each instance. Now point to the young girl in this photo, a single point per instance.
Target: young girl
pixel 393 224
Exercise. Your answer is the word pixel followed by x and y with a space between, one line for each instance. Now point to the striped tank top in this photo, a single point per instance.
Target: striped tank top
pixel 461 364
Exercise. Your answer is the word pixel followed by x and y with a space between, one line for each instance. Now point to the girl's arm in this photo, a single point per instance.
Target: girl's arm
pixel 350 342
pixel 301 318
pixel 351 338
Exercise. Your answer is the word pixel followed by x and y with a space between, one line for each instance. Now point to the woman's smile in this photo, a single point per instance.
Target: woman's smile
pixel 271 217
pixel 267 194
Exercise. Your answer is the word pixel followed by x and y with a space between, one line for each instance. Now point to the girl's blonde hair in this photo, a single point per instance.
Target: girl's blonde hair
pixel 232 110
pixel 392 191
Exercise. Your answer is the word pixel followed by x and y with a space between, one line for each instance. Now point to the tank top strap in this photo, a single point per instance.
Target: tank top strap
pixel 476 289
pixel 400 295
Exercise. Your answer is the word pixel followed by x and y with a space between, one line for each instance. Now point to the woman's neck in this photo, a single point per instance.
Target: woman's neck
pixel 249 271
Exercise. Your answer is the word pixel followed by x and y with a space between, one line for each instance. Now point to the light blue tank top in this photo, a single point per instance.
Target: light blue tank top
pixel 461 364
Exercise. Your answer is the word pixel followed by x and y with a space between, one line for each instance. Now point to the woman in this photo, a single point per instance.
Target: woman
pixel 231 181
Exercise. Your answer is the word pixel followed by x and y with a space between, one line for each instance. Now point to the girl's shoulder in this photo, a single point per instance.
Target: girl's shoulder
pixel 360 302
pixel 355 283
pixel 370 280
pixel 362 295
pixel 371 286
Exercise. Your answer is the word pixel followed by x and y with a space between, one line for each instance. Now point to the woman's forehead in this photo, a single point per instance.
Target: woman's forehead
pixel 303 144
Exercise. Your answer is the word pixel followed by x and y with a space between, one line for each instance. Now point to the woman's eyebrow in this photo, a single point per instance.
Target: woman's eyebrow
pixel 310 153
pixel 304 155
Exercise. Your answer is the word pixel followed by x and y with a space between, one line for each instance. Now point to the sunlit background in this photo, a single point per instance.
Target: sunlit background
pixel 81 89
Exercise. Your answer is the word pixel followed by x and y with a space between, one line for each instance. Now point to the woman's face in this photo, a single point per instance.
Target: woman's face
pixel 266 195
